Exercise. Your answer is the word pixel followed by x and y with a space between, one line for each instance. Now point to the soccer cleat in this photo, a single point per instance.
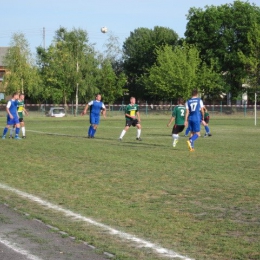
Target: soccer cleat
pixel 207 134
pixel 17 138
pixel 3 137
pixel 175 142
pixel 120 139
pixel 23 136
pixel 10 137
pixel 189 145
pixel 138 139
pixel 192 150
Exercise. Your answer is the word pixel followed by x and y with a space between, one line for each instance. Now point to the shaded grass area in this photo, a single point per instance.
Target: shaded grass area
pixel 204 204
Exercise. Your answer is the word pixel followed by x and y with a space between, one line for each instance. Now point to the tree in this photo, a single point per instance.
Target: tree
pixel 220 32
pixel 22 73
pixel 69 67
pixel 139 54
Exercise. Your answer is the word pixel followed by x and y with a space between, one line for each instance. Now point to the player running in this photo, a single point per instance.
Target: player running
pixel 179 115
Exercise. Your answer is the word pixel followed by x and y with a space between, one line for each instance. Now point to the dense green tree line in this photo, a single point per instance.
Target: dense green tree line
pixel 220 53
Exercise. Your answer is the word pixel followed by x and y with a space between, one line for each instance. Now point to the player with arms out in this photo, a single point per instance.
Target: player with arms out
pixel 96 106
pixel 194 113
pixel 132 117
pixel 12 116
pixel 179 115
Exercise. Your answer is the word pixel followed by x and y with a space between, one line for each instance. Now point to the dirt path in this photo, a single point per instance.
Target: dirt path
pixel 23 238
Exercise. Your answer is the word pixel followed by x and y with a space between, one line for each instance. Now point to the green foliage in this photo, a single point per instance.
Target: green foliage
pixel 139 51
pixel 220 32
pixel 22 74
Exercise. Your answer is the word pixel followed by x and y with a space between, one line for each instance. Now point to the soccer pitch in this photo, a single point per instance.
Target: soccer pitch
pixel 203 204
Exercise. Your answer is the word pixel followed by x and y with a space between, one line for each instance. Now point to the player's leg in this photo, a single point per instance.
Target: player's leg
pixel 128 124
pixel 195 129
pixel 22 127
pixel 91 127
pixel 175 135
pixel 17 130
pixel 138 134
pixel 5 131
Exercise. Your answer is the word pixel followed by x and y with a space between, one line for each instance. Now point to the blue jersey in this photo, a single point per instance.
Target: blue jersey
pixel 194 106
pixel 12 105
pixel 95 107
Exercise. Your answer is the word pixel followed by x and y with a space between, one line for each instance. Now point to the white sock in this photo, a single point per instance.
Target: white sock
pixel 23 130
pixel 138 133
pixel 122 134
pixel 175 136
pixel 11 131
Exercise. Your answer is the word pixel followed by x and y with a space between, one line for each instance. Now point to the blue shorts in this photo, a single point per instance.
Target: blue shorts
pixel 194 126
pixel 13 121
pixel 94 119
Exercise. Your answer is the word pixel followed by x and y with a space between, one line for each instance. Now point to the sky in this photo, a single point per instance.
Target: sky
pixel 121 17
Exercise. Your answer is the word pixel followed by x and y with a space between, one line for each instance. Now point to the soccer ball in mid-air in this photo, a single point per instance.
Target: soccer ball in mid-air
pixel 104 29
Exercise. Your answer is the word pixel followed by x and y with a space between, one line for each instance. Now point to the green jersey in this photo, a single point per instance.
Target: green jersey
pixel 20 108
pixel 179 114
pixel 131 110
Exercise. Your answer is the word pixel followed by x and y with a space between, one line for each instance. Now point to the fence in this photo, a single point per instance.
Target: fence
pixel 117 109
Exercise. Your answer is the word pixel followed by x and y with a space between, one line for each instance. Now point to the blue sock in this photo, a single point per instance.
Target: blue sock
pixel 187 131
pixel 207 129
pixel 90 130
pixel 17 131
pixel 93 132
pixel 5 131
pixel 193 138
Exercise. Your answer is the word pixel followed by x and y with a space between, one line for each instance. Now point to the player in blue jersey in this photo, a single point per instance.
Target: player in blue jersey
pixel 194 111
pixel 12 116
pixel 96 106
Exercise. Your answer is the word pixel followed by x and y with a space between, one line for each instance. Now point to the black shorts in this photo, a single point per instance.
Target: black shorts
pixel 177 129
pixel 20 119
pixel 133 122
pixel 206 119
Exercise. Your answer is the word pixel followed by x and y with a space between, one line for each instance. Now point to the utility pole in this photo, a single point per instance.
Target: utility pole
pixel 43 35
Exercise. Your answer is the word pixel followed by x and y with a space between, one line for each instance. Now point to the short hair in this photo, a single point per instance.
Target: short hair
pixel 180 101
pixel 15 93
pixel 194 92
pixel 21 94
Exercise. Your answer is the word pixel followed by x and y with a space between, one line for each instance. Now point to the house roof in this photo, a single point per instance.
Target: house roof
pixel 3 51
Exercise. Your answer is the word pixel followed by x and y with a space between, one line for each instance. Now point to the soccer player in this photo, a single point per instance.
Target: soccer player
pixel 96 106
pixel 194 110
pixel 132 117
pixel 205 122
pixel 12 116
pixel 179 115
pixel 21 109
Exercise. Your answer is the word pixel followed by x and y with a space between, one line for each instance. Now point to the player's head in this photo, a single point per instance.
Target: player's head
pixel 98 97
pixel 15 95
pixel 132 100
pixel 21 96
pixel 194 92
pixel 180 101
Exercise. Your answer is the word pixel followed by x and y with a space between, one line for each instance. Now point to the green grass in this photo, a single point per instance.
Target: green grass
pixel 203 204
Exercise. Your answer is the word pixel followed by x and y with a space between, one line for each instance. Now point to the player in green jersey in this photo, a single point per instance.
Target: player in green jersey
pixel 132 117
pixel 179 115
pixel 21 110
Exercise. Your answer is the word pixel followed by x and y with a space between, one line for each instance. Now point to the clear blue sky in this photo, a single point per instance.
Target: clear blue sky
pixel 120 17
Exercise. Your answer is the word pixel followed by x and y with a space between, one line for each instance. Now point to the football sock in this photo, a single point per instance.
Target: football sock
pixel 93 131
pixel 122 134
pixel 207 129
pixel 23 130
pixel 90 130
pixel 194 137
pixel 175 136
pixel 138 133
pixel 11 131
pixel 187 131
pixel 5 131
pixel 17 130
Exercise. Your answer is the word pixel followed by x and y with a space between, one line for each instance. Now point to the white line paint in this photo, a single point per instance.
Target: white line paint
pixel 125 236
pixel 17 249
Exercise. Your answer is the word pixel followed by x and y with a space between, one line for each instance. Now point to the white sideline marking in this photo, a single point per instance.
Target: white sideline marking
pixel 19 250
pixel 140 242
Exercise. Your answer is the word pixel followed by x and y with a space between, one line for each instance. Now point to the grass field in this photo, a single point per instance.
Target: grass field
pixel 203 204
